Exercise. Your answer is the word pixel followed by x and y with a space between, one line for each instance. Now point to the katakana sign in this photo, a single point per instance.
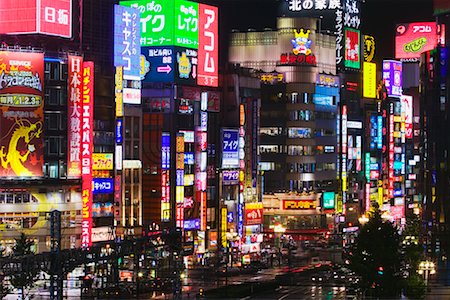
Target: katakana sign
pixel 186 24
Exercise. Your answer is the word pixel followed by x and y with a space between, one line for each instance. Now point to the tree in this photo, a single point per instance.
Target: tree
pixel 376 257
pixel 4 289
pixel 25 279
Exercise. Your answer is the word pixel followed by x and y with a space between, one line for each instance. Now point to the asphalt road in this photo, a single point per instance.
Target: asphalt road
pixel 305 292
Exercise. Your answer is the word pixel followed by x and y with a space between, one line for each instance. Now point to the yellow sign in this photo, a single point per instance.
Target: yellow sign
pixel 223 230
pixel 369 80
pixel 369 48
pixel 119 91
pixel 102 161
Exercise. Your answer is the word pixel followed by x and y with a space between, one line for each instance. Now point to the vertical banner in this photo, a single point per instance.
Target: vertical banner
pixel 179 186
pixel 407 109
pixel 86 152
pixel 393 77
pixel 224 225
pixel 74 116
pixel 119 91
pixel 21 91
pixel 208 50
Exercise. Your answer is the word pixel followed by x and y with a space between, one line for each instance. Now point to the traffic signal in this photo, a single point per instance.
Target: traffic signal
pixel 380 270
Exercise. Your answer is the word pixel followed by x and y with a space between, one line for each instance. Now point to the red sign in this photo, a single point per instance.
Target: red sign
pixel 391 157
pixel 21 114
pixel 299 204
pixel 290 59
pixel 51 17
pixel 253 213
pixel 74 116
pixel 352 49
pixel 87 127
pixel 414 38
pixel 208 51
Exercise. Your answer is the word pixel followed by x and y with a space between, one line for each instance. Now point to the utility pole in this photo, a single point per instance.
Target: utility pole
pixel 56 272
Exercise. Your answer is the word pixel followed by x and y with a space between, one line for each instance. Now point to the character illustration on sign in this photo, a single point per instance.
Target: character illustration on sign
pixel 301 44
pixel 184 65
pixel 16 157
pixel 369 48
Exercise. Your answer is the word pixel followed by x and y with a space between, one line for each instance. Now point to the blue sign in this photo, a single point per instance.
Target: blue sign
pixel 189 158
pixel 193 224
pixel 165 151
pixel 230 148
pixel 324 100
pixel 119 128
pixel 230 217
pixel 161 61
pixel 230 177
pixel 127 41
pixel 103 185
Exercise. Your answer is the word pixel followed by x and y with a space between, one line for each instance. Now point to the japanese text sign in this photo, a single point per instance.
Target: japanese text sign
pixel 415 38
pixel 352 48
pixel 407 110
pixel 21 114
pixel 369 80
pixel 51 17
pixel 127 35
pixel 102 161
pixel 253 213
pixel 208 49
pixel 103 185
pixel 75 69
pixel 392 77
pixel 186 24
pixel 230 148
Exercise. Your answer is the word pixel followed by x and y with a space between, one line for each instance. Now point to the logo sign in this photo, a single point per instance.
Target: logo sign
pixel 191 224
pixel 299 204
pixel 161 61
pixel 369 80
pixel 272 78
pixel 327 80
pixel 127 35
pixel 75 67
pixel 301 50
pixel 119 91
pixel 407 110
pixel 392 77
pixel 230 177
pixel 50 17
pixel 102 161
pixel 131 96
pixel 253 213
pixel 186 24
pixel 208 50
pixel 369 48
pixel 328 200
pixel 415 38
pixel 352 49
pixel 21 114
pixel 103 185
pixel 87 141
pixel 230 148
pixel 186 66
pixel 119 130
pixel 165 151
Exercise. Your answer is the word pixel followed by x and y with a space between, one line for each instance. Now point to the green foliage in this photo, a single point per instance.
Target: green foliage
pixel 25 279
pixel 415 287
pixel 378 246
pixel 4 289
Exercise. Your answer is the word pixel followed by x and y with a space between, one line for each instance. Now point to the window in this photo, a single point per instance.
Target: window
pixel 269 149
pixel 53 170
pixel 52 121
pixel 301 115
pixel 294 98
pixel 52 145
pixel 267 166
pixel 326 166
pixel 272 131
pixel 324 149
pixel 300 150
pixel 302 168
pixel 299 132
pixel 324 132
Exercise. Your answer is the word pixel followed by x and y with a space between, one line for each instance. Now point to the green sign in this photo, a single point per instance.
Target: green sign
pixel 186 24
pixel 157 21
pixel 368 166
pixel 328 200
pixel 167 22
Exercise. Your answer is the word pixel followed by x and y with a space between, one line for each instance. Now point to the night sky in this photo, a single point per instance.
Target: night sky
pixel 378 16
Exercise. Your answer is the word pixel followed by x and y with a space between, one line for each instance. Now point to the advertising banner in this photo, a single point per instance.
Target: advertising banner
pixel 299 204
pixel 407 110
pixel 328 200
pixel 230 148
pixel 230 177
pixel 21 119
pixel 51 17
pixel 86 153
pixel 369 48
pixel 186 24
pixel 75 66
pixel 253 213
pixel 369 80
pixel 186 61
pixel 127 36
pixel 392 77
pixel 161 60
pixel 208 51
pixel 102 161
pixel 119 91
pixel 412 39
pixel 352 49
pixel 103 185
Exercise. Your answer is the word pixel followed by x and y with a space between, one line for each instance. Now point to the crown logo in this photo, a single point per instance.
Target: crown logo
pixel 302 33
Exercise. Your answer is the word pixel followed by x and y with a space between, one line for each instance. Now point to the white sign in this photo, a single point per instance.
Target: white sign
pixel 101 234
pixel 132 164
pixel 131 96
pixel 354 124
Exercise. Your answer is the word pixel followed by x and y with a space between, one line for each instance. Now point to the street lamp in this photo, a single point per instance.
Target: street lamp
pixel 363 220
pixel 427 268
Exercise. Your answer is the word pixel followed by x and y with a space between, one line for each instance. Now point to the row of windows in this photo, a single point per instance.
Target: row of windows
pixel 310 167
pixel 296 132
pixel 301 115
pixel 294 150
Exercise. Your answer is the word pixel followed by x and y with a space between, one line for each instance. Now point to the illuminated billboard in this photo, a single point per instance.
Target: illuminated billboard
pixel 392 77
pixel 412 39
pixel 21 119
pixel 369 48
pixel 328 200
pixel 208 50
pixel 230 148
pixel 102 161
pixel 87 136
pixel 103 185
pixel 407 111
pixel 186 23
pixel 301 50
pixel 75 68
pixel 369 80
pixel 127 36
pixel 50 17
pixel 352 58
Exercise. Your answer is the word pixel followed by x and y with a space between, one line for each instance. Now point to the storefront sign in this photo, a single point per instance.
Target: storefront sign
pixel 327 80
pixel 352 48
pixel 103 185
pixel 299 204
pixel 369 80
pixel 392 77
pixel 230 177
pixel 102 161
pixel 208 50
pixel 230 148
pixel 253 213
pixel 413 39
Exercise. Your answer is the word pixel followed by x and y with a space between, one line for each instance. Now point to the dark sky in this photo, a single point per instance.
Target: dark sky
pixel 378 16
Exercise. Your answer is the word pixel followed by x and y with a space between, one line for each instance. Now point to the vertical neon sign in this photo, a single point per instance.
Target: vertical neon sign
pixel 74 115
pixel 87 116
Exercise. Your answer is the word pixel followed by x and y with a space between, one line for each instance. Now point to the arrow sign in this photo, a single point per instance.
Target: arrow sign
pixel 194 71
pixel 164 69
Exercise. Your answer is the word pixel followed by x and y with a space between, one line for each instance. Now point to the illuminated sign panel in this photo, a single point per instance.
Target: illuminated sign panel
pixel 327 80
pixel 301 50
pixel 75 66
pixel 165 151
pixel 253 213
pixel 230 177
pixel 127 50
pixel 369 48
pixel 352 48
pixel 328 200
pixel 161 60
pixel 224 225
pixel 87 128
pixel 369 80
pixel 102 161
pixel 407 109
pixel 50 17
pixel 186 66
pixel 299 204
pixel 21 119
pixel 208 50
pixel 412 39
pixel 103 185
pixel 119 130
pixel 392 77
pixel 186 24
pixel 230 148
pixel 119 91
